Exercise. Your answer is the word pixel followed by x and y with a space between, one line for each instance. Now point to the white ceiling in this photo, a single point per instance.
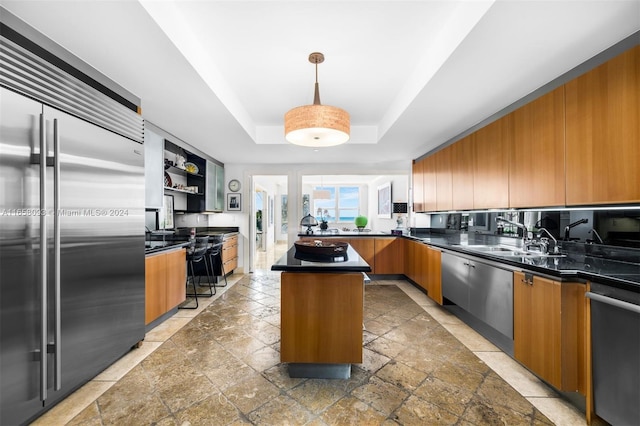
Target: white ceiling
pixel 221 74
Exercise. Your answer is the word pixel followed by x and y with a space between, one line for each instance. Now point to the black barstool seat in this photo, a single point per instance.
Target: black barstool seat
pixel 196 253
pixel 215 261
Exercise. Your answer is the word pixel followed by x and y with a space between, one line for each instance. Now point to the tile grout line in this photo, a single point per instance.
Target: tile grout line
pixel 536 400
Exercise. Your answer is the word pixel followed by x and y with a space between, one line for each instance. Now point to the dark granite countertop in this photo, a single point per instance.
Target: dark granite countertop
pixel 604 264
pixel 168 240
pixel 340 233
pixel 290 262
pixel 153 247
pixel 610 265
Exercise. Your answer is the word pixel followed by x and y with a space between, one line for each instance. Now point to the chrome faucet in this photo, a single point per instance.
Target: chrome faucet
pixel 525 231
pixel 556 249
pixel 571 225
pixel 595 234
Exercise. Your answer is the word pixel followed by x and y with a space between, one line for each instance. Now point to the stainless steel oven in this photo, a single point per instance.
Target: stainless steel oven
pixel 615 341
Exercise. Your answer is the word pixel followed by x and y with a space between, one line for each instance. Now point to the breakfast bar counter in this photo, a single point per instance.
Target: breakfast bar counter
pixel 321 317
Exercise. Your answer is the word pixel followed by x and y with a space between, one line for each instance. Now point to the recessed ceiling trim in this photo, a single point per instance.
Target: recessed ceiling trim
pixel 460 23
pixel 173 23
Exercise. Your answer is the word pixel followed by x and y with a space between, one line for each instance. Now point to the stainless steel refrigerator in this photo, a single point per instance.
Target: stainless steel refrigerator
pixel 71 253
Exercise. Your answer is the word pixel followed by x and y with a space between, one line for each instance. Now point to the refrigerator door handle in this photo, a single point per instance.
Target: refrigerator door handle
pixel 56 255
pixel 43 260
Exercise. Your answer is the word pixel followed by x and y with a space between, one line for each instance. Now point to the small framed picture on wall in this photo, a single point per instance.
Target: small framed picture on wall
pixel 384 201
pixel 233 202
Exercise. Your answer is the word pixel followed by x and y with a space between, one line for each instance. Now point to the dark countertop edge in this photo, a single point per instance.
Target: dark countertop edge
pixel 566 275
pixel 206 230
pixel 321 269
pixel 346 234
pixel 354 264
pixel 174 246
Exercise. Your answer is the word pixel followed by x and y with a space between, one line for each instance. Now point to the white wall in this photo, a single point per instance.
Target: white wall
pixel 294 173
pixel 399 194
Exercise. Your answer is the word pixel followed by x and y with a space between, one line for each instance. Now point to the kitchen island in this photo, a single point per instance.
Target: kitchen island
pixel 321 314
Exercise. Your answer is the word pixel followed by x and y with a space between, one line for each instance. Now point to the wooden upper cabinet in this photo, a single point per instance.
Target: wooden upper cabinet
pixel 462 162
pixel 418 186
pixel 442 162
pixel 603 133
pixel 536 170
pixel 429 173
pixel 491 165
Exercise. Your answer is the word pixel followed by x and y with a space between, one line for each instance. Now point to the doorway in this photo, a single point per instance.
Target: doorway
pixel 269 220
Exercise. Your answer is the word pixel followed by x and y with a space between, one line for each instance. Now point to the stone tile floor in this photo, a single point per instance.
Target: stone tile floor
pixel 219 365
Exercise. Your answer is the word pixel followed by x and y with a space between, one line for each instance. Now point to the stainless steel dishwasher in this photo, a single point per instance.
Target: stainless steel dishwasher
pixel 481 291
pixel 615 349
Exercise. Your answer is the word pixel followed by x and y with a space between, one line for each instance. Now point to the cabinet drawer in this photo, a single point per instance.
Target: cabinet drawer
pixel 230 265
pixel 230 240
pixel 229 253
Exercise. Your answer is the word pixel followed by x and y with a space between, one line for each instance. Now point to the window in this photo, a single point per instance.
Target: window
pixel 336 203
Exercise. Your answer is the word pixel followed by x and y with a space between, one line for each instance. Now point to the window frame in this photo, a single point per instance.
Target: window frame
pixel 336 207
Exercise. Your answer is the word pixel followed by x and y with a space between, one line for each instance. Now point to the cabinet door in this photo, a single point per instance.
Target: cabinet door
pixel 176 270
pixel 418 186
pixel 536 172
pixel 443 179
pixel 211 198
pixel 462 162
pixel 219 204
pixel 433 270
pixel 491 169
pixel 536 326
pixel 155 300
pixel 603 133
pixel 365 246
pixel 410 262
pixel 389 256
pixel 153 169
pixel 430 184
pixel 420 265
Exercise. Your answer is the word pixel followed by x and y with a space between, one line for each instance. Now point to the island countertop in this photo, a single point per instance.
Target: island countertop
pixel 291 262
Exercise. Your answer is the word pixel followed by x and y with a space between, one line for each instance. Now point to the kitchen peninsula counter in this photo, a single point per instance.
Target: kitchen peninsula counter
pixel 290 262
pixel 321 314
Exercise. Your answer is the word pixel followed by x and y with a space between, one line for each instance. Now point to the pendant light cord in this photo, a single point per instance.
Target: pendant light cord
pixel 316 95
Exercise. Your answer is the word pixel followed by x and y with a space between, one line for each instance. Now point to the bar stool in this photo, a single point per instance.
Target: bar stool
pixel 195 254
pixel 215 260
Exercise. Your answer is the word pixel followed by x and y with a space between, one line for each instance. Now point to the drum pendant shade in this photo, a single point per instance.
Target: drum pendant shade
pixel 317 125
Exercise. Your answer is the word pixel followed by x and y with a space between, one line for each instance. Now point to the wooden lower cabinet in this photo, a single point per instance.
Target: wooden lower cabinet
pixel 321 317
pixel 164 283
pixel 411 264
pixel 365 248
pixel 389 256
pixel 433 272
pixel 230 253
pixel 549 330
pixel 385 255
pixel 422 266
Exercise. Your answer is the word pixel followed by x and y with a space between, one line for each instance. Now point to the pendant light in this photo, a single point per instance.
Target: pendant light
pixel 317 125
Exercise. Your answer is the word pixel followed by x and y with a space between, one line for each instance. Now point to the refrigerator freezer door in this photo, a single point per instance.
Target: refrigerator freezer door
pixel 20 330
pixel 101 214
pixel 101 260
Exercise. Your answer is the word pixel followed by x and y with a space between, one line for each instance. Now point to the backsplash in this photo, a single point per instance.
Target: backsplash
pixel 613 227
